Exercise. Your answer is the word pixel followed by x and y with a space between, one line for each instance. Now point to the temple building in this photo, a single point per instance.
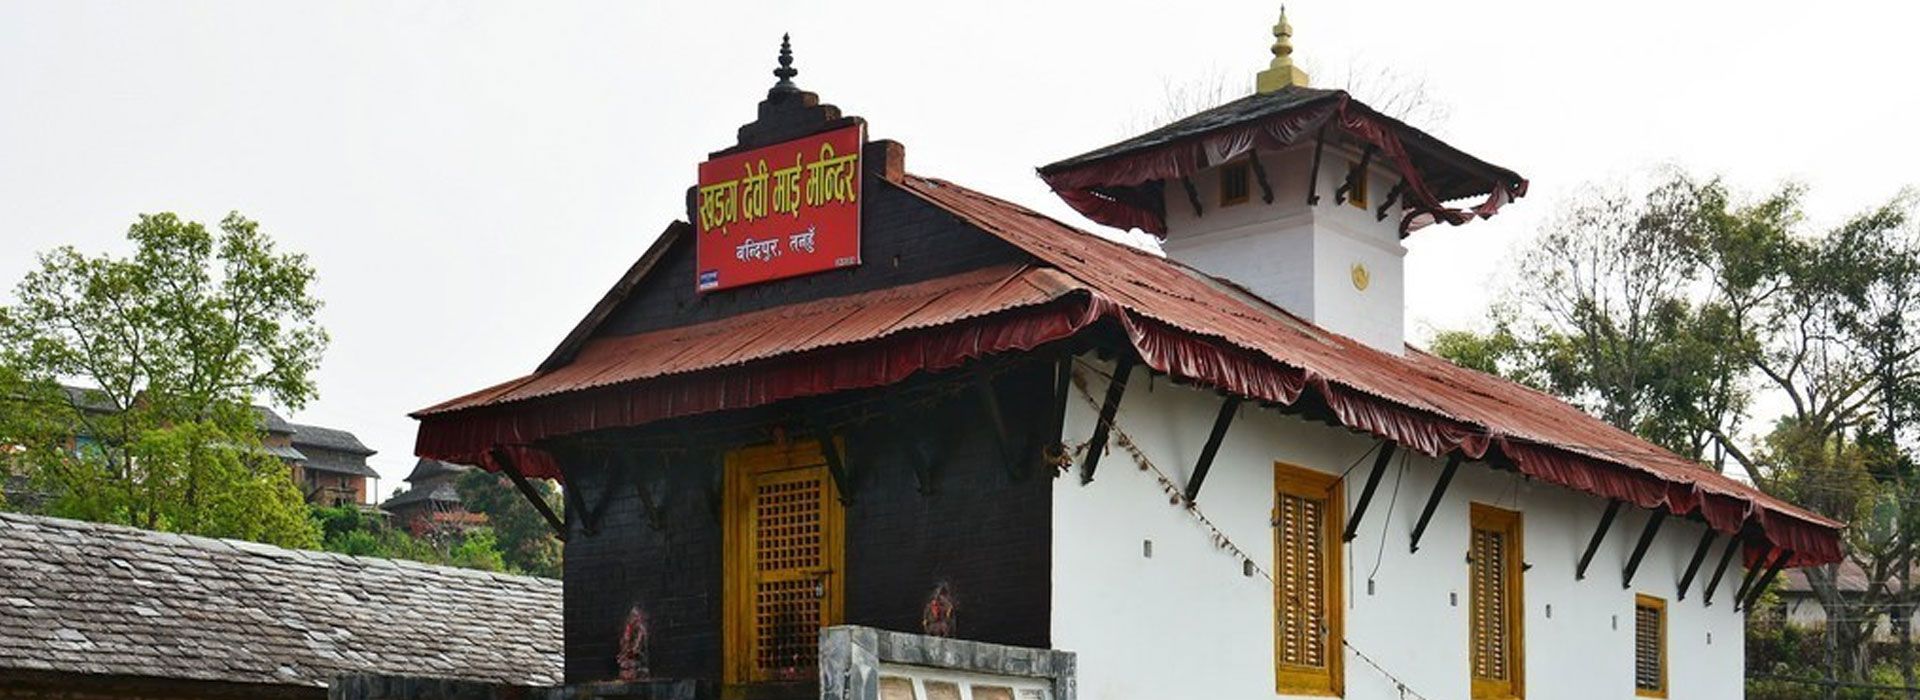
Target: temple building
pixel 431 504
pixel 854 432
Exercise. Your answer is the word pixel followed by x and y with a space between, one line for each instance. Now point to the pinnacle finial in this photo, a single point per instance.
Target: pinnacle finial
pixel 786 71
pixel 1281 72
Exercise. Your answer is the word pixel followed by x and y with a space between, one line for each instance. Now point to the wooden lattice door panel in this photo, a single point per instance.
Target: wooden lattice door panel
pixel 1494 634
pixel 784 558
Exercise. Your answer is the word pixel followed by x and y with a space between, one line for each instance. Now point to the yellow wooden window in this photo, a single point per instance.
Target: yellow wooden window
pixel 1307 584
pixel 1357 196
pixel 784 559
pixel 1495 640
pixel 1649 647
pixel 1234 185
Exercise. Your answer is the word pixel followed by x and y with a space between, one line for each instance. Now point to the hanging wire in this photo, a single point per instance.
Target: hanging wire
pixel 1219 538
pixel 1394 496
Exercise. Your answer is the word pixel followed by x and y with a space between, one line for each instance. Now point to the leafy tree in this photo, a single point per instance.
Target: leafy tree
pixel 478 550
pixel 175 343
pixel 1607 319
pixel 1668 314
pixel 355 531
pixel 526 542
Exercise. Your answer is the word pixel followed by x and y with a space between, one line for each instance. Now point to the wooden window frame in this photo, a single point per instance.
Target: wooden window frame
pixel 1243 170
pixel 1357 197
pixel 1485 517
pixel 1289 479
pixel 1641 600
pixel 736 612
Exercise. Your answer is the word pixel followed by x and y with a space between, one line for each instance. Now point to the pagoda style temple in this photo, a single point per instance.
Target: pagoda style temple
pixel 853 432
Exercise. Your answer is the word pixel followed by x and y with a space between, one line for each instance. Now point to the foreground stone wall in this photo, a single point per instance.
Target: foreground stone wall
pixel 862 663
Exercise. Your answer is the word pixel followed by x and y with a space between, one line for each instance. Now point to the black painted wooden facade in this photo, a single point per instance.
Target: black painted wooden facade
pixel 934 496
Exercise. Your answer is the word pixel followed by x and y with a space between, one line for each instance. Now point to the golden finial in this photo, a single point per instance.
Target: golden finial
pixel 1281 72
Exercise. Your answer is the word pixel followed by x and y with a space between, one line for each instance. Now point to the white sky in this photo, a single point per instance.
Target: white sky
pixel 469 177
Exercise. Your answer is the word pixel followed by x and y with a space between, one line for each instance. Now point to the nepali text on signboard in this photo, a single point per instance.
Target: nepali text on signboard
pixel 782 211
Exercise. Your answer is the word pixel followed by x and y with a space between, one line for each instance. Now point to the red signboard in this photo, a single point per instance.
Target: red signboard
pixel 782 211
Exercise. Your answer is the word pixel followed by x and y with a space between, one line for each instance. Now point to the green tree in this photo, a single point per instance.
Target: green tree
pixel 352 530
pixel 1608 318
pixel 1671 313
pixel 526 542
pixel 175 343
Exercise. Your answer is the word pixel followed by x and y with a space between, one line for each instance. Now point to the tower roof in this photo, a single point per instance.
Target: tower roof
pixel 1120 184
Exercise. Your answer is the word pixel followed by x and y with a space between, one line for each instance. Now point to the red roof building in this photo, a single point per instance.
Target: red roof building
pixel 848 441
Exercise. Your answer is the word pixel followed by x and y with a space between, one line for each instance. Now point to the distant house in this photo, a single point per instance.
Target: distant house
pixel 1801 608
pixel 334 468
pixel 104 611
pixel 329 464
pixel 431 502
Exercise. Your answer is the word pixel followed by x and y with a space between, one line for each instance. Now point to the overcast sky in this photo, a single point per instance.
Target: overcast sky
pixel 469 177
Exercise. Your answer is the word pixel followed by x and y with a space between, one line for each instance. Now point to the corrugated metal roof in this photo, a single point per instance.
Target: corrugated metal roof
pixel 781 331
pixel 1179 296
pixel 1112 278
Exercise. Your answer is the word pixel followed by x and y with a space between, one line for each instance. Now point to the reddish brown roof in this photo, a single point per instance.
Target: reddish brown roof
pixel 1120 185
pixel 1524 423
pixel 780 331
pixel 1180 321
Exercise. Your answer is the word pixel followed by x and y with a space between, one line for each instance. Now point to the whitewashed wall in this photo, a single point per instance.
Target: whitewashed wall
pixel 1187 623
pixel 1297 255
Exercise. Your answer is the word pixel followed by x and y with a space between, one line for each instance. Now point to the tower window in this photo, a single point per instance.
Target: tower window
pixel 1234 183
pixel 1356 185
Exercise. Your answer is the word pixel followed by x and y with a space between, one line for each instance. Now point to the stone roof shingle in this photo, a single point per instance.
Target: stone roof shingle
pixel 104 599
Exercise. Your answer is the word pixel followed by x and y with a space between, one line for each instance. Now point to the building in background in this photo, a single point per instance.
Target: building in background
pixel 333 470
pixel 329 465
pixel 431 503
pixel 1800 607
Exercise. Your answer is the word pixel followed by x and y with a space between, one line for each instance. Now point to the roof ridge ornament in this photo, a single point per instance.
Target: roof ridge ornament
pixel 786 71
pixel 1281 72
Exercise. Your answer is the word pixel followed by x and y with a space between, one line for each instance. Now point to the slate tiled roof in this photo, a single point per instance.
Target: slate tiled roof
pixel 272 422
pixel 322 459
pixel 93 400
pixel 332 450
pixel 87 598
pixel 430 468
pixel 1240 111
pixel 329 438
pixel 88 399
pixel 439 492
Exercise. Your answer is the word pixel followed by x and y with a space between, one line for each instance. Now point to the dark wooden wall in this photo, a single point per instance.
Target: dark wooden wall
pixel 982 530
pixel 986 534
pixel 903 240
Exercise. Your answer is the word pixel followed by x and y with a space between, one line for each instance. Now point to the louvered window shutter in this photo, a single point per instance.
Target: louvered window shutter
pixel 1302 586
pixel 1493 605
pixel 1489 606
pixel 1650 647
pixel 1307 644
